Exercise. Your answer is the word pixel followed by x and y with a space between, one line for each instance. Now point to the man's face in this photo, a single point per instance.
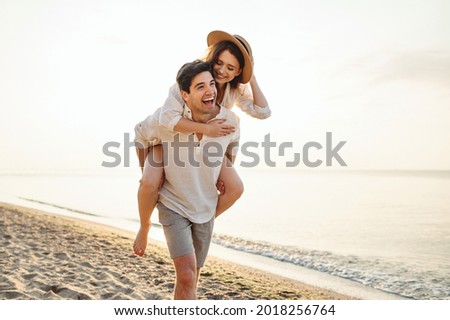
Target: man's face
pixel 202 98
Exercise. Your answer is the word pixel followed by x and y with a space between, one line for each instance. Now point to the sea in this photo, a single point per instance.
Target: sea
pixel 370 234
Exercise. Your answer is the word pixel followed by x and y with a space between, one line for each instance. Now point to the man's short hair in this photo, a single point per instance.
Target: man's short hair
pixel 189 70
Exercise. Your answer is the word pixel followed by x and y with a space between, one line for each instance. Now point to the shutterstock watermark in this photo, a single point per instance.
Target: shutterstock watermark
pixel 250 152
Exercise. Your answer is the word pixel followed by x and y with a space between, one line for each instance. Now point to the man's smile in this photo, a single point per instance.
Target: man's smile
pixel 209 102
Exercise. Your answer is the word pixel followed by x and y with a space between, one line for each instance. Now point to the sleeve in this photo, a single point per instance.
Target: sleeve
pixel 244 100
pixel 147 132
pixel 172 110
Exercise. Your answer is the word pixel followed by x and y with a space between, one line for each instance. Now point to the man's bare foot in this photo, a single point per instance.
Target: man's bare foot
pixel 140 243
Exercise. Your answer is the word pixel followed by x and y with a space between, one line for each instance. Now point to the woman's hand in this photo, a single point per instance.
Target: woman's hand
pixel 216 128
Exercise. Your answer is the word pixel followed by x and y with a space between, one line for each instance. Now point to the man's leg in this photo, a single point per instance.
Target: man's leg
pixel 187 277
pixel 188 246
pixel 201 237
pixel 188 266
pixel 178 233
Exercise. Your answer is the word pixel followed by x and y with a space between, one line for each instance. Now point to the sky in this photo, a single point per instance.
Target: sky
pixel 76 75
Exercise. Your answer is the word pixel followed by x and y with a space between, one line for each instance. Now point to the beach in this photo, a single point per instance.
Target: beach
pixel 44 256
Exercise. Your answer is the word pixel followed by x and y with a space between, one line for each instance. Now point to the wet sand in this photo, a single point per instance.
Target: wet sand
pixel 44 256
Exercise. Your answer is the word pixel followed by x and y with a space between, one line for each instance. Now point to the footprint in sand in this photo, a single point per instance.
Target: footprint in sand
pixel 13 295
pixel 87 265
pixel 29 276
pixel 7 288
pixel 68 293
pixel 61 256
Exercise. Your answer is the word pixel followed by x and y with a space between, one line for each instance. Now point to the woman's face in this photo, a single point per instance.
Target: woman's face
pixel 226 68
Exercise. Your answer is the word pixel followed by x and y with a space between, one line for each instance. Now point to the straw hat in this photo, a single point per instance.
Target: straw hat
pixel 218 36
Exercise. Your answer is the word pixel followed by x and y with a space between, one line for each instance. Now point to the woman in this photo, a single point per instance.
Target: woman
pixel 232 61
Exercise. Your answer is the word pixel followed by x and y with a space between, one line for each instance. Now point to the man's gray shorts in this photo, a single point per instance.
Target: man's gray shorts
pixel 183 236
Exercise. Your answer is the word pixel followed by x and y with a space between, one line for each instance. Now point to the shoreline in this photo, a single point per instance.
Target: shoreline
pixel 47 256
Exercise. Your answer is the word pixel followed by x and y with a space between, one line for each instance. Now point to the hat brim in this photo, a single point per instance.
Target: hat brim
pixel 219 36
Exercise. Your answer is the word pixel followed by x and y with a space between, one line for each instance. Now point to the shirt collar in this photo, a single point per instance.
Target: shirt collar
pixel 187 113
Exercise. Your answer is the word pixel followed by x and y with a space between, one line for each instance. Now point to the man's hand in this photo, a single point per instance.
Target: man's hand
pixel 216 128
pixel 220 187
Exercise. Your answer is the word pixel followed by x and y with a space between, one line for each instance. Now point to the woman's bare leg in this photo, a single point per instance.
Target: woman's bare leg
pixel 152 178
pixel 233 187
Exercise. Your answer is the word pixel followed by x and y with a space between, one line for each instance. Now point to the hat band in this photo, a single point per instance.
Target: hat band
pixel 243 44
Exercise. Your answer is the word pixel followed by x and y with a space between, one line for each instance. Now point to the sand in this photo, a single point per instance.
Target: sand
pixel 44 256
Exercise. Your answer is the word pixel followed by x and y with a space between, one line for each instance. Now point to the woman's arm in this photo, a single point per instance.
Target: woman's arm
pixel 214 128
pixel 252 103
pixel 258 96
pixel 172 109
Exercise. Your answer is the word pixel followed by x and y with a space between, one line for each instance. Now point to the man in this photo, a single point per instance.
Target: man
pixel 188 197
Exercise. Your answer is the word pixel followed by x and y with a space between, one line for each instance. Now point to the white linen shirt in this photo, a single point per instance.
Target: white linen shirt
pixel 191 172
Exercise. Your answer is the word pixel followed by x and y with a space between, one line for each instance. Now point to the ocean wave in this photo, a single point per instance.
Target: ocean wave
pixel 382 275
pixel 86 213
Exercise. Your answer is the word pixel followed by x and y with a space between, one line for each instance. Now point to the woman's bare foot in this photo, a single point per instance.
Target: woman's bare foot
pixel 140 243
